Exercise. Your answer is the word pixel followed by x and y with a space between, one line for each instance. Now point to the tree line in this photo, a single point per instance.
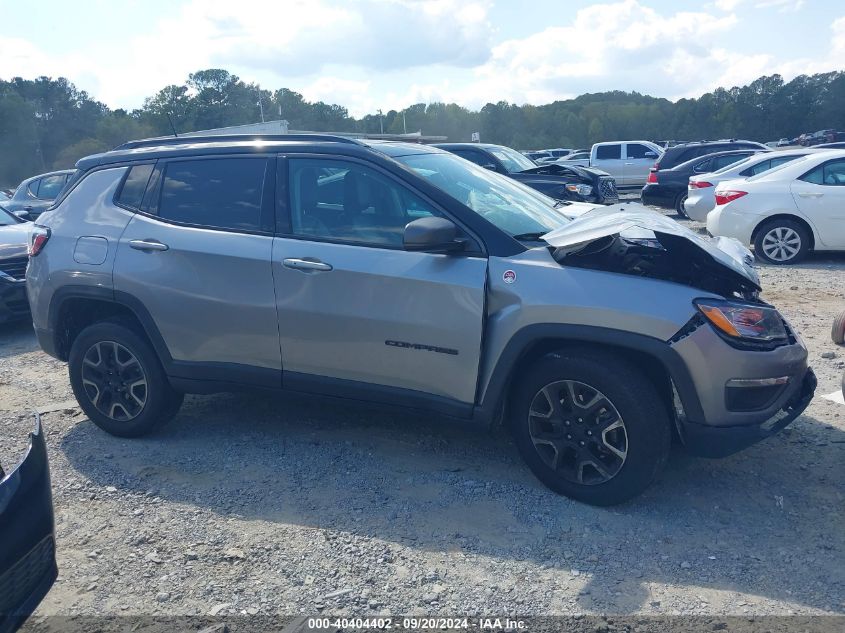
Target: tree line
pixel 48 123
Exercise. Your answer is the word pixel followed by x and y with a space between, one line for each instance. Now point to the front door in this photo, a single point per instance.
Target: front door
pixel 358 312
pixel 199 261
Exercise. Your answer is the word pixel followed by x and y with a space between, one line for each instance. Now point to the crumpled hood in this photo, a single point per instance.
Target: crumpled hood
pixel 556 169
pixel 634 221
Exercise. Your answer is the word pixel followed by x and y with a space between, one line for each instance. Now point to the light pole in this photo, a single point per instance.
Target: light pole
pixel 380 122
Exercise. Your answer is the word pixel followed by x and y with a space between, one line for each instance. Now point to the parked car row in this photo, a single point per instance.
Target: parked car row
pixel 556 180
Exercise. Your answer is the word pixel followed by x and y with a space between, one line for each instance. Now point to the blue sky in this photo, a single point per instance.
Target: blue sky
pixel 370 54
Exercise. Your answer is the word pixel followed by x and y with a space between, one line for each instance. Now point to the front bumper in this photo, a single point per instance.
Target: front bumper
pixel 13 303
pixel 714 441
pixel 27 546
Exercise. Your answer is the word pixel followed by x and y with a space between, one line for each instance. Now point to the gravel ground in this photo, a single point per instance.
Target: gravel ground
pixel 288 505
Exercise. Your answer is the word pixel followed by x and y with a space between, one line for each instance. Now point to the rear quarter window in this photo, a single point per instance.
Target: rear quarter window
pixel 132 192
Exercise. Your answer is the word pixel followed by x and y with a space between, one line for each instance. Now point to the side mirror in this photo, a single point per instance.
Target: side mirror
pixel 650 155
pixel 433 235
pixel 21 213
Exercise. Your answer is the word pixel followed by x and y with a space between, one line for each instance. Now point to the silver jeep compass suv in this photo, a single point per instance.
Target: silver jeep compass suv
pixel 401 273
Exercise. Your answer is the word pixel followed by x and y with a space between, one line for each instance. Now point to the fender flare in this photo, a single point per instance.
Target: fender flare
pixel 491 396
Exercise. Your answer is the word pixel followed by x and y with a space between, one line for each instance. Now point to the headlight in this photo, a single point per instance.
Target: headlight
pixel 581 190
pixel 743 321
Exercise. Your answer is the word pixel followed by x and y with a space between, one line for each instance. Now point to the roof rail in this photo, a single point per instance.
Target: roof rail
pixel 222 138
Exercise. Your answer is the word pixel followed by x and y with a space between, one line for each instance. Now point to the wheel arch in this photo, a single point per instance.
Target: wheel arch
pixel 786 216
pixel 662 365
pixel 72 308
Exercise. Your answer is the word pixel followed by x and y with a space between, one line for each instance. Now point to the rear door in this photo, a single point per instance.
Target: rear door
pixel 820 195
pixel 356 311
pixel 197 257
pixel 639 159
pixel 609 158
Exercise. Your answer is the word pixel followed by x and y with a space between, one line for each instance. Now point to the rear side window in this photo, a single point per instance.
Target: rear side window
pixel 730 159
pixel 608 152
pixel 636 150
pixel 832 174
pixel 132 192
pixel 49 187
pixel 218 193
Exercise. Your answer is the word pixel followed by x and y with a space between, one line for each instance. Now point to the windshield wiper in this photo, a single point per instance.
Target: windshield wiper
pixel 562 203
pixel 530 237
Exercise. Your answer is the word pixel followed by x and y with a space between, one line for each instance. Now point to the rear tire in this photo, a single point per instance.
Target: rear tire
pixel 680 200
pixel 781 241
pixel 590 426
pixel 118 380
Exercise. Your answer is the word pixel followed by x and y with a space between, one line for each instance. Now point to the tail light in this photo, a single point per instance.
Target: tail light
pixel 37 239
pixel 723 197
pixel 652 177
pixel 693 184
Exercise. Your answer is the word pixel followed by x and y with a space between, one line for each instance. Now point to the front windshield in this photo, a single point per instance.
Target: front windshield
pixel 513 160
pixel 511 206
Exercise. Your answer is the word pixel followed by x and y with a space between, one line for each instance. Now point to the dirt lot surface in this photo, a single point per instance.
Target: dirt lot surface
pixel 287 505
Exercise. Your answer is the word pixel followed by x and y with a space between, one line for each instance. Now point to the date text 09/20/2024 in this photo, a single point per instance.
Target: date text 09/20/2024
pixel 410 624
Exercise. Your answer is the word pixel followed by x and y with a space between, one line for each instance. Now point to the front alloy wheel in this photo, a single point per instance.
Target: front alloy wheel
pixel 578 432
pixel 114 380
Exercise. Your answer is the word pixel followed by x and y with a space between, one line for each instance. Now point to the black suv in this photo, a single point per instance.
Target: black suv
pixel 678 154
pixel 561 182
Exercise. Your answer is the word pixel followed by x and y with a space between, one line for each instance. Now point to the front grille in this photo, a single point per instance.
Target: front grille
pixel 15 267
pixel 607 188
pixel 17 584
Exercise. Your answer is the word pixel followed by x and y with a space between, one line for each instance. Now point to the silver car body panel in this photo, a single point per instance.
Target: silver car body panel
pixel 87 211
pixel 543 291
pixel 382 316
pixel 210 293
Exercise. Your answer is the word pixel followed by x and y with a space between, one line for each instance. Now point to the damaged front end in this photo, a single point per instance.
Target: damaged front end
pixel 633 240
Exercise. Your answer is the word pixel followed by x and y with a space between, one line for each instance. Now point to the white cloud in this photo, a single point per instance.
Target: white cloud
pixel 784 6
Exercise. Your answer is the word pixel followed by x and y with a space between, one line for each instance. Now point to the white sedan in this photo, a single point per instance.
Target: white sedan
pixel 788 211
pixel 701 194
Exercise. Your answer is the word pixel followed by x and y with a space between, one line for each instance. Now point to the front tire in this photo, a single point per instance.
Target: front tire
pixel 118 380
pixel 590 426
pixel 781 241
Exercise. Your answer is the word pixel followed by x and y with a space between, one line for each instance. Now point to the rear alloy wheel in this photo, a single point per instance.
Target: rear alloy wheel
pixel 118 380
pixel 781 242
pixel 114 380
pixel 590 425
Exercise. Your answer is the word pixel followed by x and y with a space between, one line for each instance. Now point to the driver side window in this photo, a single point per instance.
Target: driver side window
pixel 349 202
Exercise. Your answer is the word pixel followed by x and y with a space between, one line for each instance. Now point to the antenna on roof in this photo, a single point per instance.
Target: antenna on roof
pixel 172 127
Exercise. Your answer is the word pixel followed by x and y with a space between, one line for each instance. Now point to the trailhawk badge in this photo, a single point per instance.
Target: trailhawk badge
pixel 509 277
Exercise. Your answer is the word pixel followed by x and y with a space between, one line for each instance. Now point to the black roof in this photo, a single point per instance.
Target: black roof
pixel 178 146
pixel 698 159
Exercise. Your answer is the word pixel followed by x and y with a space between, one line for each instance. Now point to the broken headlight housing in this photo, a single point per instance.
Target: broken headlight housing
pixel 749 323
pixel 581 190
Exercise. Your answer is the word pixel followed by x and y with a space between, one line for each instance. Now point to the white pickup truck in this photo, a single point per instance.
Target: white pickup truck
pixel 627 161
